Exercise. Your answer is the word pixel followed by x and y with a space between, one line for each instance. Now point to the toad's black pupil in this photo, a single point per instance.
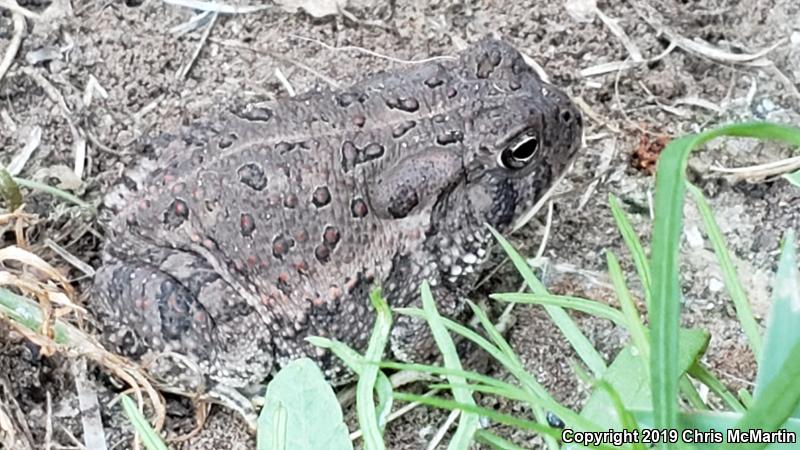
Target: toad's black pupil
pixel 525 150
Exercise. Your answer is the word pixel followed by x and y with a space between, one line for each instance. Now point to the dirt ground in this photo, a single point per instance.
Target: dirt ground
pixel 109 73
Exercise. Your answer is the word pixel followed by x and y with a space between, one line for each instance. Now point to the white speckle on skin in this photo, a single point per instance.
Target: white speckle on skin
pixel 469 258
pixel 456 270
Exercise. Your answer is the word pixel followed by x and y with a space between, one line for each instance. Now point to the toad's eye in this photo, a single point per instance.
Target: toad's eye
pixel 517 157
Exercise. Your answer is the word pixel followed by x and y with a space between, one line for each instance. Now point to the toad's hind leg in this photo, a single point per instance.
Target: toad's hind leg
pixel 152 313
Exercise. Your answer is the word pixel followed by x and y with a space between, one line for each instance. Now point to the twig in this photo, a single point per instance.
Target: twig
pixel 442 431
pixel 217 7
pixel 242 46
pixel 20 159
pixel 372 53
pixel 761 171
pixel 285 82
pixel 616 30
pixel 12 6
pixel 203 39
pixel 701 48
pixel 16 38
pixel 93 434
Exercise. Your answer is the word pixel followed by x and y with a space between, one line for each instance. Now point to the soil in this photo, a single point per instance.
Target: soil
pixel 118 67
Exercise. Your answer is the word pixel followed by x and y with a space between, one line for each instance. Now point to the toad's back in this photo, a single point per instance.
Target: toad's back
pixel 270 224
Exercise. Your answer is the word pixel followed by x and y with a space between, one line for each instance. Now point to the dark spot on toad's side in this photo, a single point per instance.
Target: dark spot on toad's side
pixel 290 201
pixel 281 245
pixel 321 196
pixel 403 128
pixel 331 236
pixel 283 147
pixel 359 208
pixel 323 253
pixel 450 137
pixel 433 82
pixel 176 213
pixel 349 156
pixel 247 224
pixel 407 104
pixel 372 151
pixel 253 176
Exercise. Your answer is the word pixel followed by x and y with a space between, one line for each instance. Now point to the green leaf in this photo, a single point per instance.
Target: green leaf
pixel 627 420
pixel 782 332
pixel 149 437
pixel 301 412
pixel 468 422
pixel 628 377
pixel 793 178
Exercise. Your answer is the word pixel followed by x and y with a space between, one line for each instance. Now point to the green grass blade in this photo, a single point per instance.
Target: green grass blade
pixel 468 422
pixel 37 186
pixel 488 384
pixel 634 246
pixel 350 357
pixel 26 312
pixel 735 289
pixel 529 382
pixel 632 320
pixel 365 403
pixel 591 307
pixel 782 332
pixel 666 294
pixel 699 372
pixel 150 439
pixel 563 321
pixel 498 417
pixel 776 402
pixel 505 347
pixel 745 397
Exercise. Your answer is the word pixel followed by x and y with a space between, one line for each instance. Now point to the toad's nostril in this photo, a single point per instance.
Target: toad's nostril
pixel 566 116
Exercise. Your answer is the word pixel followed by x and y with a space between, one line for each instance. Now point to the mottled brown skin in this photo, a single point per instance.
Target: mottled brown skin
pixel 260 228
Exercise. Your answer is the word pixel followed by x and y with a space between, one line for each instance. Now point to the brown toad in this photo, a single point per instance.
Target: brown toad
pixel 272 224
